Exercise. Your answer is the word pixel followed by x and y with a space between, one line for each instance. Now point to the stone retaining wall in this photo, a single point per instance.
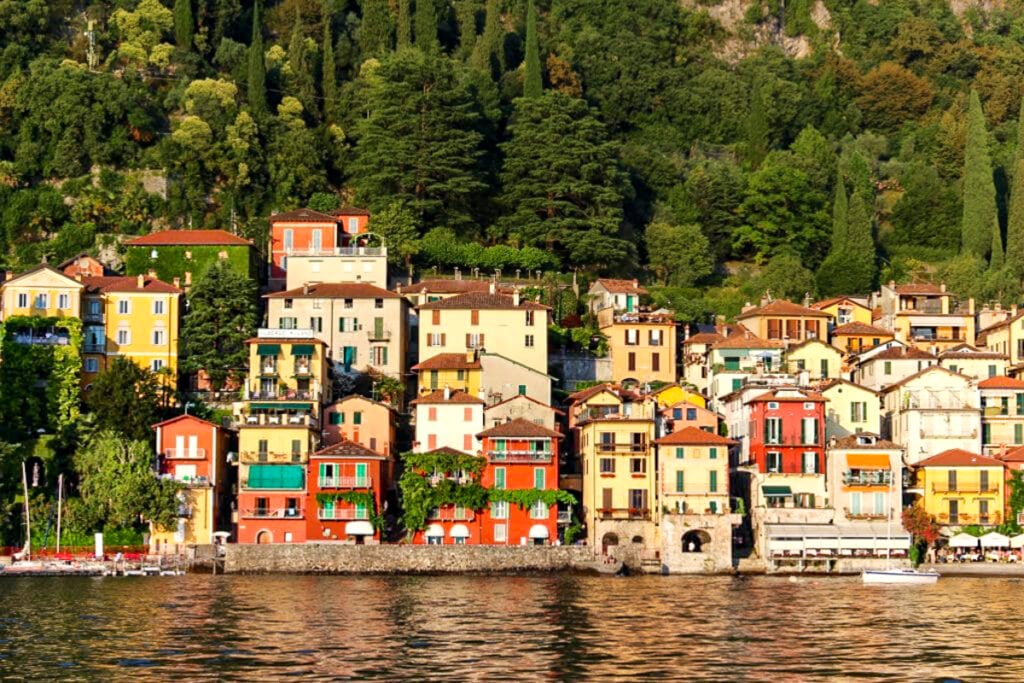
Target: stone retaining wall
pixel 325 558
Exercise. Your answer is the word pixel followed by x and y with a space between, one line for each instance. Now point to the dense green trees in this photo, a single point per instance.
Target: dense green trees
pixel 124 399
pixel 979 190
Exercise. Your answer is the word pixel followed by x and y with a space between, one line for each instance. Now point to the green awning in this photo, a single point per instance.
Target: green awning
pixel 280 406
pixel 276 477
pixel 268 349
pixel 776 491
pixel 302 349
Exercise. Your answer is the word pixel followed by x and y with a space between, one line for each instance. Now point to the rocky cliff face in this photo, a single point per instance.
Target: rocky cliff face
pixel 745 37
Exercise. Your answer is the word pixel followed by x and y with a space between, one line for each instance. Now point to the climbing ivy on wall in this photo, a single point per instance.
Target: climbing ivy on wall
pixel 170 261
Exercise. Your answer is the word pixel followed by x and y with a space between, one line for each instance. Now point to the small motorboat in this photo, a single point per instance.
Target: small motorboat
pixel 899 576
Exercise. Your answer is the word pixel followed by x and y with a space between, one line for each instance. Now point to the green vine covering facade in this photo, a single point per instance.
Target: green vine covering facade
pixel 171 262
pixel 23 408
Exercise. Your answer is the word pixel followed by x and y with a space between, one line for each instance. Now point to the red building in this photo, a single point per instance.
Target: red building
pixel 787 431
pixel 345 468
pixel 308 232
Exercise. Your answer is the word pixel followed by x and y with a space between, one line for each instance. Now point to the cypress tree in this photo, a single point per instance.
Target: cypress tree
pixel 532 83
pixel 329 77
pixel 404 25
pixel 489 53
pixel 375 29
pixel 465 16
pixel 1015 219
pixel 839 217
pixel 184 25
pixel 979 191
pixel 257 80
pixel 757 129
pixel 996 259
pixel 426 25
pixel 300 81
pixel 859 250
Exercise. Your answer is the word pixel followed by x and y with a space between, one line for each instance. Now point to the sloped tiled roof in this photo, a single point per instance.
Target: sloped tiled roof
pixel 302 216
pixel 336 290
pixel 837 382
pixel 704 338
pixel 860 329
pixel 445 450
pixel 453 397
pixel 178 418
pixel 744 339
pixel 819 305
pixel 128 283
pixel 692 436
pixel 528 398
pixel 350 211
pixel 210 238
pixel 520 428
pixel 920 288
pixel 482 300
pixel 449 286
pixel 968 351
pixel 776 395
pixel 850 441
pixel 1001 382
pixel 1013 455
pixel 448 361
pixel 782 307
pixel 903 353
pixel 957 457
pixel 347 449
pixel 620 286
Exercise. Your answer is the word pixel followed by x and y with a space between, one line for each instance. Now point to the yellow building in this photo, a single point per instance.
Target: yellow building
pixel 1007 338
pixel 1002 414
pixel 42 292
pixel 693 471
pixel 673 394
pixel 818 359
pixel 926 316
pixel 457 371
pixel 507 325
pixel 856 337
pixel 960 487
pixel 781 320
pixel 851 409
pixel 620 500
pixel 642 345
pixel 845 310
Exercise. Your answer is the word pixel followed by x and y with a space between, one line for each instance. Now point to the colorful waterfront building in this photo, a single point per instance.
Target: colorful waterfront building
pixel 278 428
pixel 641 345
pixel 458 371
pixel 619 295
pixel 1002 414
pixel 845 310
pixel 363 420
pixel 694 356
pixel 865 475
pixel 683 415
pixel 521 457
pixel 188 254
pixel 448 419
pixel 693 471
pixel 303 231
pixel 1007 337
pixel 961 487
pixel 347 486
pixel 42 292
pixel 737 359
pixel 926 316
pixel 522 406
pixel 193 452
pixel 884 366
pixel 974 362
pixel 815 357
pixel 784 321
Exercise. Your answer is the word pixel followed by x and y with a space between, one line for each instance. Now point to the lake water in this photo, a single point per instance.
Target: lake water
pixel 507 627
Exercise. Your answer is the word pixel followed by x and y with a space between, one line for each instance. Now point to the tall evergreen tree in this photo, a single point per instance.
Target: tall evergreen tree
pixel 996 259
pixel 756 129
pixel 1015 219
pixel 375 28
pixel 329 74
pixel 404 25
pixel 426 25
pixel 533 84
pixel 489 53
pixel 859 251
pixel 184 24
pixel 839 217
pixel 465 17
pixel 420 143
pixel 256 84
pixel 300 76
pixel 979 191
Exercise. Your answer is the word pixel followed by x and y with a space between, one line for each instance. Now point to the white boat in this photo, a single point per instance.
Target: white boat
pixel 899 576
pixel 893 574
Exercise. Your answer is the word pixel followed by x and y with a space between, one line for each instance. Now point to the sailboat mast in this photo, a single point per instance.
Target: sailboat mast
pixel 888 528
pixel 60 501
pixel 28 514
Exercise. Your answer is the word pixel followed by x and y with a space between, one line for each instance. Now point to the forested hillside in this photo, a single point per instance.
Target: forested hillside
pixel 811 147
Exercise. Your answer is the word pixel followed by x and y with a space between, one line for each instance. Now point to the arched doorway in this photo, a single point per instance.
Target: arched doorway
pixel 694 541
pixel 264 537
pixel 607 541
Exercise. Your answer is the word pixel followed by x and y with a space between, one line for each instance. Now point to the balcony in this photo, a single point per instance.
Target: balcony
pixel 996 411
pixel 273 513
pixel 94 348
pixel 303 369
pixel 44 339
pixel 285 395
pixel 624 513
pixel 622 447
pixel 867 477
pixel 268 369
pixel 280 420
pixel 564 517
pixel 338 251
pixel 967 518
pixel 378 335
pixel 92 317
pixel 329 514
pixel 436 479
pixel 965 487
pixel 519 456
pixel 345 482
pixel 865 516
pixel 270 457
pixel 184 453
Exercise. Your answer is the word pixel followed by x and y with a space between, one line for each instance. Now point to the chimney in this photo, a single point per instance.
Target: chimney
pixel 447 392
pixel 305 289
pixel 188 278
pixel 9 275
pixel 636 284
pixel 970 305
pixel 807 300
pixel 491 288
pixel 176 282
pixel 422 297
pixel 686 331
pixel 470 355
pixel 1002 451
pixel 515 297
pixel 942 287
pixel 141 282
pixel 1013 311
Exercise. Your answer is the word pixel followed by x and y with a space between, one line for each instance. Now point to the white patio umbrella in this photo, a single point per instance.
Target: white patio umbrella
pixel 994 539
pixel 1017 541
pixel 963 541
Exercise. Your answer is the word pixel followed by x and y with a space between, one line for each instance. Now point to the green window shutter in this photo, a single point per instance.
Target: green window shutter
pixel 824 367
pixel 679 481
pixel 337 418
pixel 713 482
pixel 1020 404
pixel 714 507
pixel 522 390
pixel 1018 434
pixel 384 356
pixel 323 470
pixel 538 478
pixel 679 453
pixel 357 417
pixel 499 477
pixel 713 453
pixel 361 470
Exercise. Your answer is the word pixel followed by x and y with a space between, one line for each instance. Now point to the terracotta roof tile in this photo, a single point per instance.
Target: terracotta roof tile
pixel 482 301
pixel 447 286
pixel 1001 382
pixel 620 286
pixel 820 305
pixel 191 418
pixel 189 238
pixel 128 283
pixel 704 338
pixel 851 441
pixel 746 340
pixel 525 397
pixel 336 290
pixel 350 211
pixel 782 307
pixel 968 351
pixel 837 382
pixel 774 395
pixel 930 368
pixel 448 361
pixel 957 457
pixel 446 450
pixel 860 329
pixel 921 288
pixel 302 216
pixel 520 428
pixel 453 397
pixel 902 353
pixel 692 436
pixel 347 449
pixel 1013 455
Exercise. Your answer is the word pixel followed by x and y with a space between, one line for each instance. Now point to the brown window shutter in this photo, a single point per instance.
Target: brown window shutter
pixel 656 362
pixel 469 340
pixel 443 337
pixel 435 317
pixel 481 340
pixel 606 499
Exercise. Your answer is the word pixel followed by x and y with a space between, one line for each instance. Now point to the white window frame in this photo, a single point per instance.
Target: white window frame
pixel 63 301
pixel 158 307
pixel 159 337
pixel 22 300
pixel 124 307
pixel 127 336
pixel 42 300
pixel 156 365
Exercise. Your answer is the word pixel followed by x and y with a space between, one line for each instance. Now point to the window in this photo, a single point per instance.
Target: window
pixel 467 442
pixel 774 461
pixel 654 338
pixel 435 317
pixel 63 301
pixel 22 300
pixel 347 303
pixel 859 411
pixel 810 463
pixel 433 379
pixel 316 324
pixel 296 450
pixel 951 480
pixel 348 324
pixel 631 361
pixel 773 430
pixel 289 239
pixel 983 511
pixel 529 318
pixel 655 362
pixel 691 414
pixel 1018 434
pixel 288 303
pixel 680 453
pixel 887 367
pixel 124 337
pixel 638 465
pixel 522 389
pixel 92 365
pixel 773 405
pixel 809 430
pixel 880 504
pixel 435 339
pixel 713 482
pixel 499 509
pixel 500 533
pixel 474 317
pixel 638 499
pixel 474 341
pixel 984 480
pixel 337 418
pixel 379 355
pixel 317 241
pixel 607 466
pixel 991 371
pixel 42 301
pixel 632 337
pixel 529 341
pixel 262 448
pixel 539 478
pixel 824 367
pixel 539 510
pixel 159 338
pixel 353 225
pixel 156 365
pixel 158 307
pixel 712 453
pixel 803 500
pixel 677 413
pixel 855 503
pixel 432 414
pixel 124 307
pixel 679 482
pixel 467 415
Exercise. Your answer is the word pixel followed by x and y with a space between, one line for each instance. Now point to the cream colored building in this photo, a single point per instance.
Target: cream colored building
pixel 521 407
pixel 362 324
pixel 851 409
pixel 926 316
pixel 865 478
pixel 502 377
pixel 884 367
pixel 1007 337
pixel 366 265
pixel 1002 414
pixel 974 362
pixel 42 292
pixel 693 471
pixel 818 359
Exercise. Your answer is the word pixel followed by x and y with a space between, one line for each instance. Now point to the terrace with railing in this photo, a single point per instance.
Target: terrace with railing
pixel 520 455
pixel 273 513
pixel 345 482
pixel 867 477
pixel 341 513
pixel 184 453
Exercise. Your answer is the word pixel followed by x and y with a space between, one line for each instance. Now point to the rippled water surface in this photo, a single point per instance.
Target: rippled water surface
pixel 535 627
